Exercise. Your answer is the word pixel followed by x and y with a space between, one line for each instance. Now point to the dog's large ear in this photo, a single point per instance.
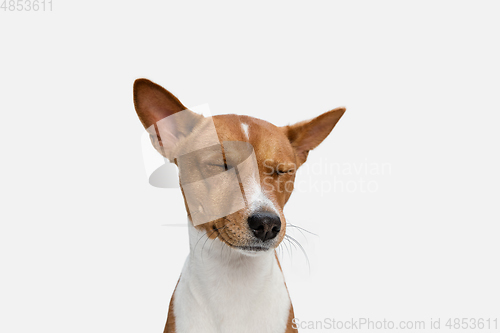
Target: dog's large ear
pixel 163 115
pixel 307 135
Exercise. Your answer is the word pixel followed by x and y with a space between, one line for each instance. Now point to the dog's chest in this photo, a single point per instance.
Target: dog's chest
pixel 248 298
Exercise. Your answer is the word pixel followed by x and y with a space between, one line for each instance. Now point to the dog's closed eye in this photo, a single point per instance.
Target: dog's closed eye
pixel 224 166
pixel 281 172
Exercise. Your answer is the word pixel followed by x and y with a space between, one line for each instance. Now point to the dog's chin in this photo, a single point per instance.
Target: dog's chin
pixel 253 251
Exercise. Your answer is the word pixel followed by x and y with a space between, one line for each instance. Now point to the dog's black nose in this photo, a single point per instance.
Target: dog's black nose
pixel 265 225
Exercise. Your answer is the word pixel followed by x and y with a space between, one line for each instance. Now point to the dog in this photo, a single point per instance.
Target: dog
pixel 236 174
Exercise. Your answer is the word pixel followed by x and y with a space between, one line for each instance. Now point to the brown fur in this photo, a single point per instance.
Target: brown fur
pixel 170 325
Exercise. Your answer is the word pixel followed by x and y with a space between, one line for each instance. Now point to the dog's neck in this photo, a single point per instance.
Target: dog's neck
pixel 217 282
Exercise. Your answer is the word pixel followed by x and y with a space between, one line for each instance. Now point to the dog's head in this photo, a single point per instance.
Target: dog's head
pixel 236 172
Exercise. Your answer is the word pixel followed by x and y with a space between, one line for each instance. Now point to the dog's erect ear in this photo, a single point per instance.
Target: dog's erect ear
pixel 154 103
pixel 307 135
pixel 163 115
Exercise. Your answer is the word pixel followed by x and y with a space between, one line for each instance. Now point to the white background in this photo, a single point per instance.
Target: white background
pixel 82 246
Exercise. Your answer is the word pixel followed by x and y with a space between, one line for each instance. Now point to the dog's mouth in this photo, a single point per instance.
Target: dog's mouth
pixel 252 248
pixel 245 248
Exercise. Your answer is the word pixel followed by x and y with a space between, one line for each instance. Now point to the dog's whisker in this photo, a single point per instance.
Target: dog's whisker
pixel 290 242
pixel 303 235
pixel 293 240
pixel 208 237
pixel 287 248
pixel 279 250
pixel 201 237
pixel 218 235
pixel 223 243
pixel 301 229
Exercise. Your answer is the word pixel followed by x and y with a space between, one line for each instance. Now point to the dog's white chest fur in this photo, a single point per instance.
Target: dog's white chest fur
pixel 223 291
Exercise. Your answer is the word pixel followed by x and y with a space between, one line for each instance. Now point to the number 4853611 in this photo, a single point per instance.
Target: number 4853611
pixel 26 5
pixel 472 323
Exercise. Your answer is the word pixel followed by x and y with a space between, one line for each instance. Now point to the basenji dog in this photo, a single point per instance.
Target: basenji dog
pixel 236 174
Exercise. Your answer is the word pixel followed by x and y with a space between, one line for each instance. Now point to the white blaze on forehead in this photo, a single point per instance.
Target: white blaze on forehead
pixel 244 127
pixel 251 182
pixel 257 199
